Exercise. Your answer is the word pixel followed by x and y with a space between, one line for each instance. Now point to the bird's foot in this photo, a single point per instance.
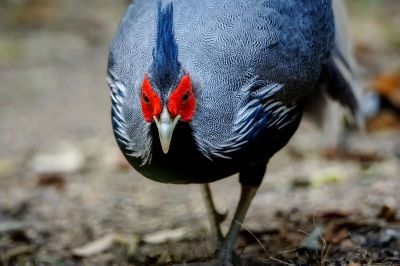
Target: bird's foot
pixel 219 262
pixel 227 258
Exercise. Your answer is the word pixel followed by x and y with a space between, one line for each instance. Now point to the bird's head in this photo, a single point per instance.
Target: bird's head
pixel 166 112
pixel 167 95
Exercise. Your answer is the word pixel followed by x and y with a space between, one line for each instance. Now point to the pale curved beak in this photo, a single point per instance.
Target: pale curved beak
pixel 166 126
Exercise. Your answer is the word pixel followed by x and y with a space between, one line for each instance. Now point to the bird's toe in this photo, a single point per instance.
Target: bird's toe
pixel 221 262
pixel 227 258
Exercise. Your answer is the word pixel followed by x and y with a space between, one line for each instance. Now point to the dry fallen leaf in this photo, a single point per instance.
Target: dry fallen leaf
pixel 388 86
pixel 362 156
pixel 56 180
pixel 67 160
pixel 97 246
pixel 388 213
pixel 384 120
pixel 337 236
pixel 334 214
pixel 165 235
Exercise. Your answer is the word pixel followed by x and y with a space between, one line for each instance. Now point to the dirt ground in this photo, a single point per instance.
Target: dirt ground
pixel 67 196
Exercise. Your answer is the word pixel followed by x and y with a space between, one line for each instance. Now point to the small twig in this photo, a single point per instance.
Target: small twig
pixel 304 232
pixel 324 250
pixel 277 260
pixel 259 242
pixel 256 238
pixel 288 250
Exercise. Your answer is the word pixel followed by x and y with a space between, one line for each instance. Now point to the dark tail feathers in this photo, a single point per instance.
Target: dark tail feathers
pixel 341 81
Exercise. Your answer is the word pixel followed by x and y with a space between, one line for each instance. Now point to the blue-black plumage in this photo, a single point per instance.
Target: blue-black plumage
pixel 228 78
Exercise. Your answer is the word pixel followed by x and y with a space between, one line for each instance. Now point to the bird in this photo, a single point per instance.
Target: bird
pixel 202 90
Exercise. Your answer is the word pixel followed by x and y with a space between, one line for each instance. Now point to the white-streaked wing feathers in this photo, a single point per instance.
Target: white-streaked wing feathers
pixel 119 95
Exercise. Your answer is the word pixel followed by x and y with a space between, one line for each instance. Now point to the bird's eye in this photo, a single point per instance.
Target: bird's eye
pixel 185 96
pixel 146 99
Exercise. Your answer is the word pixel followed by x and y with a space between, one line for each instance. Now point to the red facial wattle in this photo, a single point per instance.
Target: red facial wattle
pixel 151 103
pixel 182 101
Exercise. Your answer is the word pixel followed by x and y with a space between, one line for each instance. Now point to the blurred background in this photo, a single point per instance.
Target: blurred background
pixel 67 196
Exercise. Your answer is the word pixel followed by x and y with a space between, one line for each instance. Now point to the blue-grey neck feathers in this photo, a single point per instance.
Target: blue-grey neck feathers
pixel 165 67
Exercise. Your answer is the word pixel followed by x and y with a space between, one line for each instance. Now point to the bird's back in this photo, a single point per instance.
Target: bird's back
pixel 282 41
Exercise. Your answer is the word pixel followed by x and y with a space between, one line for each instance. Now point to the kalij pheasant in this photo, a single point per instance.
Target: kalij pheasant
pixel 204 89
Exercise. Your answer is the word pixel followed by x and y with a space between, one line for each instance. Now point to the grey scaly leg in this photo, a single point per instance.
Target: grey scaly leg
pixel 225 254
pixel 215 217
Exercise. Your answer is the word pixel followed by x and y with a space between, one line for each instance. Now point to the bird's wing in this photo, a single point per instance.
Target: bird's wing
pixel 129 58
pixel 255 60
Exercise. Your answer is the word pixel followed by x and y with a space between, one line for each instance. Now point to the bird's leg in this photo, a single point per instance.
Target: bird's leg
pixel 214 216
pixel 225 253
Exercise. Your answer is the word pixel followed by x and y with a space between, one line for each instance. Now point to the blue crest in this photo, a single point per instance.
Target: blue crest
pixel 165 68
